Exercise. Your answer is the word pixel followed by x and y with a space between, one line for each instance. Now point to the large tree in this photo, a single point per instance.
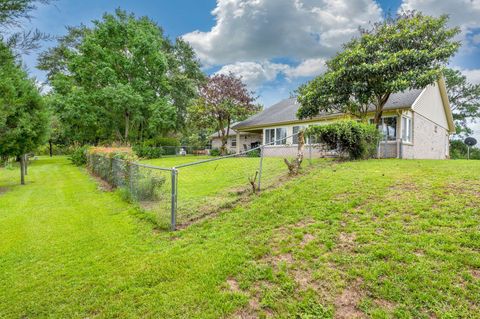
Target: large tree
pixel 405 52
pixel 464 99
pixel 121 80
pixel 224 99
pixel 23 115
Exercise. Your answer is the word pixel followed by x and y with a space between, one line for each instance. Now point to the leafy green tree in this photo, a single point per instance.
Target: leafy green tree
pixel 464 99
pixel 405 52
pixel 223 100
pixel 23 114
pixel 122 80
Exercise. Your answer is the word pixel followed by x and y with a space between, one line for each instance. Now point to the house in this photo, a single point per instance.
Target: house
pixel 416 125
pixel 236 141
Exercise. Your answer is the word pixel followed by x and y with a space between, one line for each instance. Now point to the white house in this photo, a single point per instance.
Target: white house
pixel 416 125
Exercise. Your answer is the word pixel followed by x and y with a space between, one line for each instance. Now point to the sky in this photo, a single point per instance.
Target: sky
pixel 274 45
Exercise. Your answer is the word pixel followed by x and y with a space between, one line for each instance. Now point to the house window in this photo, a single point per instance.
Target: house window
pixel 281 136
pixel 388 127
pixel 295 131
pixel 406 129
pixel 233 142
pixel 269 136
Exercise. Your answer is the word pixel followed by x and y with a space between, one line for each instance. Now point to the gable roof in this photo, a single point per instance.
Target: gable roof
pixel 286 111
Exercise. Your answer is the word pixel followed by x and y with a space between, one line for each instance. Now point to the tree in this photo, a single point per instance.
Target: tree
pixel 12 14
pixel 122 80
pixel 405 52
pixel 23 115
pixel 224 99
pixel 464 99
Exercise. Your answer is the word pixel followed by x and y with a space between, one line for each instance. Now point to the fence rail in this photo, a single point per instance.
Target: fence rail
pixel 180 190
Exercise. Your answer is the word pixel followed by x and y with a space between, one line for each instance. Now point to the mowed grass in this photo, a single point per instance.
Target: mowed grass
pixel 380 238
pixel 205 187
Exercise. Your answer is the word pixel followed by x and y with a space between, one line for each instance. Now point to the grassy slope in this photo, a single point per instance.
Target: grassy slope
pixel 382 238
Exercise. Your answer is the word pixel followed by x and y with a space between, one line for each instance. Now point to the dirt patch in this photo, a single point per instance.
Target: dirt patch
pixel 233 285
pixel 346 241
pixel 101 184
pixel 346 305
pixel 476 273
pixel 3 190
pixel 385 304
pixel 281 258
pixel 306 239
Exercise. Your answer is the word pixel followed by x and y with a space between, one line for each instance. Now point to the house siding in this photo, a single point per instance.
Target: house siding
pixel 430 140
pixel 245 141
pixel 430 105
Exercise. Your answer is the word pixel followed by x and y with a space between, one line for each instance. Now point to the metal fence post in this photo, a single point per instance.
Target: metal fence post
pixel 174 199
pixel 261 166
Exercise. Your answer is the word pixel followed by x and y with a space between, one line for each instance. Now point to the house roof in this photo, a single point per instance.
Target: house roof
pixel 286 110
pixel 232 132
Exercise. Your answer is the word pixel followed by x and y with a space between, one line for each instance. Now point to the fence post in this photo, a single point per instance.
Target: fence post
pixel 174 199
pixel 261 166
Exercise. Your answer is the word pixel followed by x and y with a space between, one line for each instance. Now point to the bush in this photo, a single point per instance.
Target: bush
pixel 79 155
pixel 162 141
pixel 147 187
pixel 354 139
pixel 145 151
pixel 459 150
pixel 56 149
pixel 215 152
pixel 254 153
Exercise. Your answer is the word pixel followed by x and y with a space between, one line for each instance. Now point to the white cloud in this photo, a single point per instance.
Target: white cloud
pixel 310 67
pixel 462 13
pixel 473 75
pixel 254 73
pixel 257 30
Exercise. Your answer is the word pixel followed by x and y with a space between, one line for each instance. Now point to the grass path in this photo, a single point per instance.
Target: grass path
pixel 382 239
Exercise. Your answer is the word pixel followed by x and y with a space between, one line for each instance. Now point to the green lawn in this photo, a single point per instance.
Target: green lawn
pixel 380 238
pixel 204 188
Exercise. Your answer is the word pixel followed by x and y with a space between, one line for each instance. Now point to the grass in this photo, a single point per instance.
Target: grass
pixel 381 239
pixel 204 188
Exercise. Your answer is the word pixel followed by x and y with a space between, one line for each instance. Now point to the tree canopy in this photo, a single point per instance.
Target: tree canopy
pixel 397 54
pixel 23 115
pixel 120 80
pixel 464 99
pixel 224 99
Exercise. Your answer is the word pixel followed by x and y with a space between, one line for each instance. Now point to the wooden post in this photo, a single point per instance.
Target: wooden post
pixel 238 142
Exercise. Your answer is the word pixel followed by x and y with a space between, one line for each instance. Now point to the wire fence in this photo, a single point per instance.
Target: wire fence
pixel 177 191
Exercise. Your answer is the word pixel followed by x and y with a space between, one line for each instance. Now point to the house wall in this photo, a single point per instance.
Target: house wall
pixel 290 151
pixel 430 105
pixel 430 140
pixel 245 141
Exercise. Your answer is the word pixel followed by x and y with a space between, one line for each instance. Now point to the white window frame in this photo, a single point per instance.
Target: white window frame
pixel 299 127
pixel 281 139
pixel 407 129
pixel 270 139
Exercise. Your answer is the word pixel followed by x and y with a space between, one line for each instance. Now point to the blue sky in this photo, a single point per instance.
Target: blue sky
pixel 275 45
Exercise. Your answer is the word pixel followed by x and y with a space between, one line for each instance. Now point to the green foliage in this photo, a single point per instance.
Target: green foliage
pixel 23 114
pixel 354 139
pixel 215 152
pixel 224 99
pixel 147 152
pixel 79 155
pixel 254 153
pixel 459 150
pixel 162 141
pixel 120 80
pixel 148 187
pixel 406 52
pixel 464 98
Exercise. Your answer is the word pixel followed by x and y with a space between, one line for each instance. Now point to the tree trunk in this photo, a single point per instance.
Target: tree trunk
pixel 127 123
pixel 381 101
pixel 26 163
pixel 295 164
pixel 50 147
pixel 22 169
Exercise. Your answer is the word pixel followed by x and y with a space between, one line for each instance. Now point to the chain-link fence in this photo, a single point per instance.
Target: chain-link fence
pixel 180 190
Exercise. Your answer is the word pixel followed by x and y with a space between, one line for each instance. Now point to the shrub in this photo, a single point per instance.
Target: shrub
pixel 351 138
pixel 254 153
pixel 145 151
pixel 79 155
pixel 459 150
pixel 147 187
pixel 162 141
pixel 215 152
